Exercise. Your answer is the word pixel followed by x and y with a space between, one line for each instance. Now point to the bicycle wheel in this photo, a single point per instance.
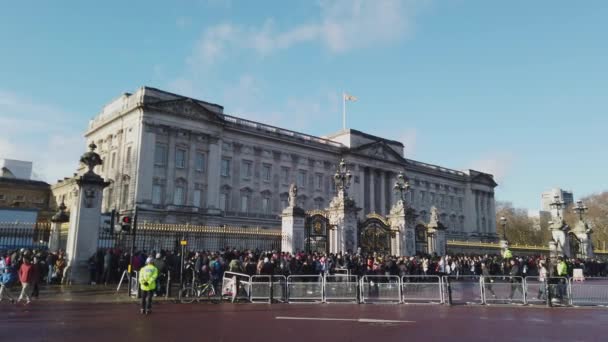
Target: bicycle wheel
pixel 209 294
pixel 188 295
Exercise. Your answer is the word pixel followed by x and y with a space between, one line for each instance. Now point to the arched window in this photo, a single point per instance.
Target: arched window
pixel 179 195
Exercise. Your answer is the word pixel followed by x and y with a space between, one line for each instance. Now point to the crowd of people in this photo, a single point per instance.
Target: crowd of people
pixel 32 268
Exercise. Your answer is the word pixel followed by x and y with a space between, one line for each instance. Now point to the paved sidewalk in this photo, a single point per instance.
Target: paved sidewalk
pixel 84 294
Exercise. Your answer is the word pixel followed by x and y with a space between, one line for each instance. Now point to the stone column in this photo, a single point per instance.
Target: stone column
pixel 57 220
pixel 382 202
pixel 213 173
pixel 372 191
pixel 85 219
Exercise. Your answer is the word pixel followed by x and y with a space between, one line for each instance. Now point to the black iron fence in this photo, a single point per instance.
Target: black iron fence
pixel 24 235
pixel 156 236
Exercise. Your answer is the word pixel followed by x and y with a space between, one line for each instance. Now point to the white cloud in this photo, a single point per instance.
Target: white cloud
pixel 498 164
pixel 342 25
pixel 40 133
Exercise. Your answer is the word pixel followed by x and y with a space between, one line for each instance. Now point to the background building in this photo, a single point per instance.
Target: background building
pixel 21 198
pixel 548 197
pixel 20 169
pixel 183 160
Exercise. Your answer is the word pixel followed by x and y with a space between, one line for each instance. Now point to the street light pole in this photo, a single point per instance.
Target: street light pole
pixel 503 221
pixel 580 209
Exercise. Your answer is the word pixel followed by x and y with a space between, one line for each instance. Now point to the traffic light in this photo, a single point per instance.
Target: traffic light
pixel 125 223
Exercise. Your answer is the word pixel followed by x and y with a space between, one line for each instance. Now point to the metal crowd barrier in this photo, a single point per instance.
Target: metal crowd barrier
pixel 503 290
pixel 305 289
pixel 590 291
pixel 134 290
pixel 418 289
pixel 380 289
pixel 559 290
pixel 340 288
pixel 535 291
pixel 261 286
pixel 463 289
pixel 236 285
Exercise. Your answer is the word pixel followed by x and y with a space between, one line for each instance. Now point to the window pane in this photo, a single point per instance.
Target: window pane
pixel 302 179
pixel 197 198
pixel 265 205
pixel 285 174
pixel 113 159
pixel 200 162
pixel 178 197
pixel 319 181
pixel 160 155
pixel 180 158
pixel 156 194
pixel 128 156
pixel 125 195
pixel 226 167
pixel 223 199
pixel 266 172
pixel 244 203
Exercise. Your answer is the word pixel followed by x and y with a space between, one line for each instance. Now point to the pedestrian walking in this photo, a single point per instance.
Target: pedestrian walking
pixel 487 281
pixel 515 279
pixel 26 277
pixel 147 283
pixel 7 278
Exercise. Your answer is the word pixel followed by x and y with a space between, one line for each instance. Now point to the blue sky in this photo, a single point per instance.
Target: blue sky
pixel 515 88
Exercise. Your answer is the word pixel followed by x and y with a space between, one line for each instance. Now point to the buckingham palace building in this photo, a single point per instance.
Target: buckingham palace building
pixel 182 160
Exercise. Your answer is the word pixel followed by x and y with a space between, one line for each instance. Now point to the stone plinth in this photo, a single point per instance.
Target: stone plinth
pixel 583 233
pixel 559 232
pixel 292 227
pixel 404 241
pixel 436 234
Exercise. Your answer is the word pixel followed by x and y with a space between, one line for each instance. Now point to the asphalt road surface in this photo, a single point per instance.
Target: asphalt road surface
pixel 64 321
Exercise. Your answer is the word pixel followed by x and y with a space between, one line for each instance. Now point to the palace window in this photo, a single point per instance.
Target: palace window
pixel 246 169
pixel 200 162
pixel 266 172
pixel 266 205
pixel 125 195
pixel 318 181
pixel 180 158
pixel 196 198
pixel 223 201
pixel 160 155
pixel 179 195
pixel 157 194
pixel 128 156
pixel 285 175
pixel 113 160
pixel 225 169
pixel 302 178
pixel 244 203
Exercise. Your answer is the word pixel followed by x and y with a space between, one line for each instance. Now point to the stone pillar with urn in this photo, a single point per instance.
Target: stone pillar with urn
pixel 56 221
pixel 293 218
pixel 401 221
pixel 342 214
pixel 559 245
pixel 436 234
pixel 85 219
pixel 583 233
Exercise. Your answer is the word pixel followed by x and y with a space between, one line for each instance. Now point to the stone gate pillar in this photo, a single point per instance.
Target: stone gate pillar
pixel 404 241
pixel 436 234
pixel 85 219
pixel 342 214
pixel 56 221
pixel 292 225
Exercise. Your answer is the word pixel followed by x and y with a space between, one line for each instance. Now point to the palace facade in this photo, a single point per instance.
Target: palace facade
pixel 182 160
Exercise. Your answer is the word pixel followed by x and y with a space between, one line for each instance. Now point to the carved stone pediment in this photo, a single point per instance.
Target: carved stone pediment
pixel 185 107
pixel 379 150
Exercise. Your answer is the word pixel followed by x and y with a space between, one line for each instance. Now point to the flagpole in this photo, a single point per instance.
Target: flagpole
pixel 343 111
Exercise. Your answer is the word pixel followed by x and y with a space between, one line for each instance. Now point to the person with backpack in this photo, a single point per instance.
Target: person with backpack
pixel 7 279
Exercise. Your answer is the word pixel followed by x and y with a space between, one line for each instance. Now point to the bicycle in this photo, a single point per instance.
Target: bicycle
pixel 196 292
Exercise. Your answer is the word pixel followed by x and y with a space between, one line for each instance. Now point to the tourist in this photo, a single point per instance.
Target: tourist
pixel 26 277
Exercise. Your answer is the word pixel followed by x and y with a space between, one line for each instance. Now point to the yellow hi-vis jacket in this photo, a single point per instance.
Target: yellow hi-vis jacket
pixel 507 254
pixel 562 269
pixel 148 275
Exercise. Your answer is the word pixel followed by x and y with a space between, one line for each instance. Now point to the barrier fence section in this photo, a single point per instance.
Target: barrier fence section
pixel 261 285
pixel 380 289
pixel 463 289
pixel 535 290
pixel 559 290
pixel 305 288
pixel 503 290
pixel 422 289
pixel 340 288
pixel 589 291
pixel 236 285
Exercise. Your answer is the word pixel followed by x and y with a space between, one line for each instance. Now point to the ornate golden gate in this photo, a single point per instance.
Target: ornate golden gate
pixel 317 233
pixel 375 235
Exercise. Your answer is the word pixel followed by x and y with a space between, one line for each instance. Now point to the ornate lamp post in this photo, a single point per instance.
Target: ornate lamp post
pixel 557 204
pixel 580 209
pixel 503 222
pixel 401 186
pixel 342 178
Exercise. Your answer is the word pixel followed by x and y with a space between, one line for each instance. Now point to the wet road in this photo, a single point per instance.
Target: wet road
pixel 64 321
